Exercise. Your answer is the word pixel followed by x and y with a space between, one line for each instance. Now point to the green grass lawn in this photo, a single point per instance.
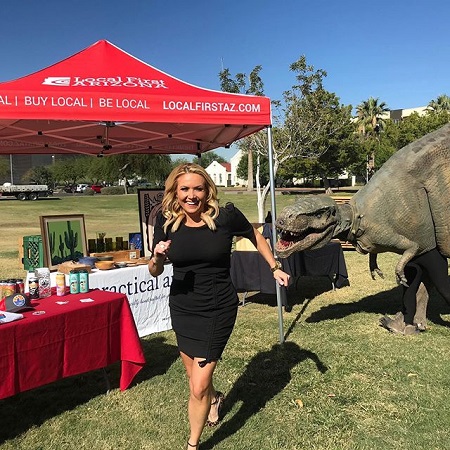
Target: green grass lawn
pixel 339 382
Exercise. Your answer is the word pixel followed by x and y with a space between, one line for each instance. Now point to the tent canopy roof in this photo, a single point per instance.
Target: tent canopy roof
pixel 102 100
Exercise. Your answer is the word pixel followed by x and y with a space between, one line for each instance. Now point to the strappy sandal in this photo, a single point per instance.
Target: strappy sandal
pixel 218 400
pixel 193 445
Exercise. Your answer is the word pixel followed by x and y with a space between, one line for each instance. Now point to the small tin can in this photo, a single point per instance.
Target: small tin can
pixel 74 282
pixel 9 288
pixel 43 275
pixel 20 286
pixel 33 287
pixel 60 284
pixel 83 281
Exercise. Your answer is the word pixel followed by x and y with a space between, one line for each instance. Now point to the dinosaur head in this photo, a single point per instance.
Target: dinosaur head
pixel 309 223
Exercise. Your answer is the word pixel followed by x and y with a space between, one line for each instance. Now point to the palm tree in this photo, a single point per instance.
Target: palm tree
pixel 370 115
pixel 371 119
pixel 441 104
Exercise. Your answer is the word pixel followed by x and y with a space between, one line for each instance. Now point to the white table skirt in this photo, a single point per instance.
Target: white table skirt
pixel 148 296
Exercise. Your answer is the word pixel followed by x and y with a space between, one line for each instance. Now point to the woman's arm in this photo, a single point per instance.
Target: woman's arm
pixel 156 264
pixel 263 248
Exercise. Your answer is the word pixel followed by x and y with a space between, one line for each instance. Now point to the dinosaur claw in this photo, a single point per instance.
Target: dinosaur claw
pixel 401 279
pixel 376 272
pixel 379 273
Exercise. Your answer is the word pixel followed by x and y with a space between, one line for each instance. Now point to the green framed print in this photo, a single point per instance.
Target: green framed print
pixel 63 239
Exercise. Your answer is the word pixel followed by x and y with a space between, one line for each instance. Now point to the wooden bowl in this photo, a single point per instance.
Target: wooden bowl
pixel 105 257
pixel 104 265
pixel 120 264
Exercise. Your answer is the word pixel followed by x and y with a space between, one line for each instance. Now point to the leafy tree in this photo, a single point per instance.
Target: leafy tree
pixel 254 86
pixel 4 166
pixel 313 124
pixel 68 171
pixel 207 158
pixel 304 125
pixel 38 175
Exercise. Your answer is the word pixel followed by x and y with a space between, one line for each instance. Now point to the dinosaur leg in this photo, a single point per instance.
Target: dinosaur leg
pixel 373 266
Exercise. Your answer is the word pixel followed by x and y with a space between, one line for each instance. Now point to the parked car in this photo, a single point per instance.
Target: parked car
pixel 70 188
pixel 81 187
pixel 97 188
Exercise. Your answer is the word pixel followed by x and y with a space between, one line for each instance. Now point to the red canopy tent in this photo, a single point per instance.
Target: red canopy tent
pixel 102 100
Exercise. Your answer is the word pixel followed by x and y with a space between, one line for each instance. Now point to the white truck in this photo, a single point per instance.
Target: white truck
pixel 25 191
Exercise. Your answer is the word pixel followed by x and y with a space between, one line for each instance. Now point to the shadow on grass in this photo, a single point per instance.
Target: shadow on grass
pixel 386 302
pixel 33 408
pixel 299 290
pixel 265 376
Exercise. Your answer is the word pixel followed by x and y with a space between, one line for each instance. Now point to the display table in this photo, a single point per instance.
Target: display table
pixel 69 339
pixel 250 272
pixel 148 296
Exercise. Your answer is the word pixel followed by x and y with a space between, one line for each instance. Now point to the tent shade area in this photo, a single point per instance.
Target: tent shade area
pixel 104 101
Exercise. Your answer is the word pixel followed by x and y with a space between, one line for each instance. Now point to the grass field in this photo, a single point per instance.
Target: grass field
pixel 338 382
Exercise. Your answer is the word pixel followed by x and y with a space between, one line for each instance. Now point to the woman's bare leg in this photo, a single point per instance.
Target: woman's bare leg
pixel 201 393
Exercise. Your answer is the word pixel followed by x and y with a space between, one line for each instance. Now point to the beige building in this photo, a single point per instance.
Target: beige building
pixel 396 115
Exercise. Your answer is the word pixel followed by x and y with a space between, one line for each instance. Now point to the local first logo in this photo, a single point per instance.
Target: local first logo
pixel 130 82
pixel 57 81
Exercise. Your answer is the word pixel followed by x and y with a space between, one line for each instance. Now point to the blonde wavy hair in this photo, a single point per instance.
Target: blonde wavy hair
pixel 171 209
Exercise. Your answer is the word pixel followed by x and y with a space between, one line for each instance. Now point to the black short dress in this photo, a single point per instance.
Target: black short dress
pixel 203 302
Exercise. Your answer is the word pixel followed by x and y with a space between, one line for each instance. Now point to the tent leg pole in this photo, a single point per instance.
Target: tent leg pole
pixel 274 231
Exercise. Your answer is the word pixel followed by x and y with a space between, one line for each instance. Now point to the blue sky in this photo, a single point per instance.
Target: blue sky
pixel 396 51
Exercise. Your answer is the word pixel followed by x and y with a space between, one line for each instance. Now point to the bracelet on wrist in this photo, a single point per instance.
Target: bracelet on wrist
pixel 277 266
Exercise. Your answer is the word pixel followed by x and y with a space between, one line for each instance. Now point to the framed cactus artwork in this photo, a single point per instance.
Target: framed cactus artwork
pixel 63 239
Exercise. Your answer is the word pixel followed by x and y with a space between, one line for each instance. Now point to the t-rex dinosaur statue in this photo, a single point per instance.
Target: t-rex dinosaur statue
pixel 404 209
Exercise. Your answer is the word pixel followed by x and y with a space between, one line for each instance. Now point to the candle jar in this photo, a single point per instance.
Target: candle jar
pixel 108 244
pixel 100 245
pixel 92 245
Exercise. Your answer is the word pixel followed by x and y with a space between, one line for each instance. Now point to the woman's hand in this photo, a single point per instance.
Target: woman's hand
pixel 281 277
pixel 161 249
pixel 156 264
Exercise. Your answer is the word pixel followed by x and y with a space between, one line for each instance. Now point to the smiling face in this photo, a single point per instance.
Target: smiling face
pixel 191 194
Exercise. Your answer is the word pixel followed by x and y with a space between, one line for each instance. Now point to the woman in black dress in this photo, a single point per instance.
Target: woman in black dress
pixel 196 235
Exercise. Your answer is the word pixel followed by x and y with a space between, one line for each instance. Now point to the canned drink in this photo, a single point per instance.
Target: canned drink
pixel 20 286
pixel 74 282
pixel 9 288
pixel 83 281
pixel 60 284
pixel 45 287
pixel 33 287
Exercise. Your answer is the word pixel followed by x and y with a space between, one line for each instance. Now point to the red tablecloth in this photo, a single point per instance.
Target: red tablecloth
pixel 69 339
